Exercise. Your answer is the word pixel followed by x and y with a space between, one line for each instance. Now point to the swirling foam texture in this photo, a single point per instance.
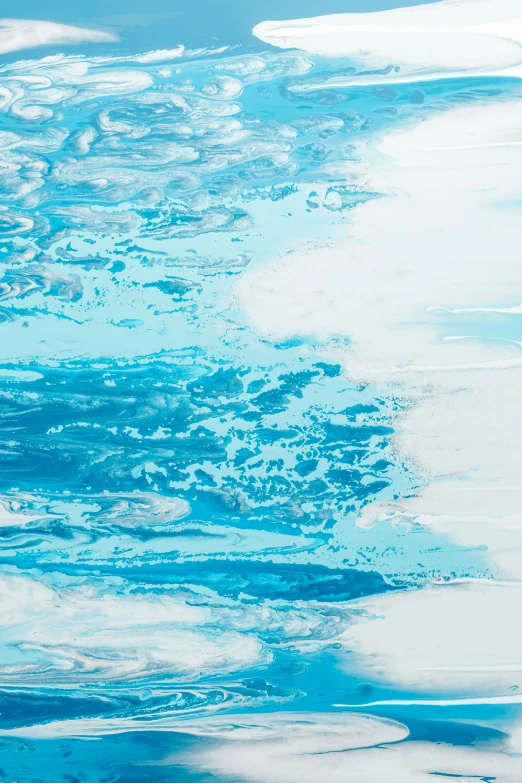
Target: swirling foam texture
pixel 258 405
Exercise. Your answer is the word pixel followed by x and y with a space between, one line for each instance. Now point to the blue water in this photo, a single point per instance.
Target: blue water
pixel 180 494
pixel 162 24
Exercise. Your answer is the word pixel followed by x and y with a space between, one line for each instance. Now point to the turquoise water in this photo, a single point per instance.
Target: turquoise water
pixel 180 495
pixel 159 24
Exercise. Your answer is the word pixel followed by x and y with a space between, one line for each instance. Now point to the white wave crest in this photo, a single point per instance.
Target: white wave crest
pixel 473 35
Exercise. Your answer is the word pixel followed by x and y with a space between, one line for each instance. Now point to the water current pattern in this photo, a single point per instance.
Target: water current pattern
pixel 259 422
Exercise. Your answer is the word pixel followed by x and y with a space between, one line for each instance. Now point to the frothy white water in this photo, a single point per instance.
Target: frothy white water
pixel 16 34
pixel 448 36
pixel 455 638
pixel 81 633
pixel 317 732
pixel 303 747
pixel 349 749
pixel 445 241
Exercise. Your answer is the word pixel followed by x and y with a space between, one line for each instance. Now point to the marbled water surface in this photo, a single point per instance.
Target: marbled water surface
pixel 259 361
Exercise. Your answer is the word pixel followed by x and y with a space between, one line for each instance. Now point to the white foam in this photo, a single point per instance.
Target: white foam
pixel 307 747
pixel 317 732
pixel 447 239
pixel 466 36
pixel 20 376
pixel 51 635
pixel 458 639
pixel 363 750
pixel 16 34
pixel 477 701
pixel 160 55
